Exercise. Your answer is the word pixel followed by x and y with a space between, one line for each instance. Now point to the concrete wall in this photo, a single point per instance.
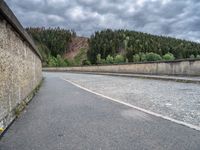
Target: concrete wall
pixel 20 66
pixel 182 67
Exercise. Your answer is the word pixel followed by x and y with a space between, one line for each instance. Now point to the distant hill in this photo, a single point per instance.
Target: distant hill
pixel 61 47
pixel 130 43
pixel 51 41
pixel 61 43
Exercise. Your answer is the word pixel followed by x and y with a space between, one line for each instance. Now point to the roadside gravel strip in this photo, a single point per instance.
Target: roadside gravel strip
pixel 180 101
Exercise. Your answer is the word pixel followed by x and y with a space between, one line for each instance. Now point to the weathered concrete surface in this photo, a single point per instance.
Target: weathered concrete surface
pixel 181 67
pixel 20 67
pixel 64 117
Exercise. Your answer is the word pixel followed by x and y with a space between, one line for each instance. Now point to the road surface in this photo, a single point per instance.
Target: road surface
pixel 64 117
pixel 179 101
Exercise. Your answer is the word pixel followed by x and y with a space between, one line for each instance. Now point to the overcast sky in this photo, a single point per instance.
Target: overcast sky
pixel 177 18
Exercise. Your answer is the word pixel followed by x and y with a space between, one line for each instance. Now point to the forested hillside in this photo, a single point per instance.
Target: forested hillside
pixel 135 46
pixel 53 43
pixel 60 47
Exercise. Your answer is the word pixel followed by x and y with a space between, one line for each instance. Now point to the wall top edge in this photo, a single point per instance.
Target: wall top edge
pixel 9 16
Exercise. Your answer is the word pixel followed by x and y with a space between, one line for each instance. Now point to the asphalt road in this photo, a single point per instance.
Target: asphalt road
pixel 180 101
pixel 65 117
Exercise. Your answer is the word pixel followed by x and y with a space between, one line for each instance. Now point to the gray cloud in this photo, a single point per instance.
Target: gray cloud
pixel 180 18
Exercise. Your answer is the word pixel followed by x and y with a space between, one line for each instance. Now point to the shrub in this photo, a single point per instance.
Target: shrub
pixel 169 56
pixel 86 62
pixel 66 61
pixel 98 59
pixel 56 61
pixel 71 63
pixel 198 56
pixel 126 60
pixel 52 61
pixel 103 61
pixel 153 57
pixel 82 55
pixel 143 57
pixel 192 56
pixel 61 62
pixel 119 59
pixel 136 58
pixel 109 59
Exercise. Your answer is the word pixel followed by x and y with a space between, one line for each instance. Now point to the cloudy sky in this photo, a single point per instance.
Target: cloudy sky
pixel 177 18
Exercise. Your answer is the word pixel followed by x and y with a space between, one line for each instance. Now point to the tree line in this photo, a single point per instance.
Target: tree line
pixel 52 43
pixel 111 46
pixel 135 46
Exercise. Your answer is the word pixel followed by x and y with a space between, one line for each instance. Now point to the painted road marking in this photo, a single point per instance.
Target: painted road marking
pixel 135 107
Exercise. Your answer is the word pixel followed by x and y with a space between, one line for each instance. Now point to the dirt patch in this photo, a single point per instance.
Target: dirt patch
pixel 75 46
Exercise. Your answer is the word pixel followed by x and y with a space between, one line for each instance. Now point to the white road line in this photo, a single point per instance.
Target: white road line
pixel 135 107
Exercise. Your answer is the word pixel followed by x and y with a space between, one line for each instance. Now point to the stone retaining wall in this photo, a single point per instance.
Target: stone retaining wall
pixel 181 67
pixel 20 66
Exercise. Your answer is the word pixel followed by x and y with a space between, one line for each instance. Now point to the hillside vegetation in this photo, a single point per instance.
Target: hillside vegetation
pixel 60 47
pixel 138 46
pixel 52 43
pixel 77 51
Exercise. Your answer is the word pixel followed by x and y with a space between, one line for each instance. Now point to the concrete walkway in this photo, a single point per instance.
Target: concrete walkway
pixel 62 116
